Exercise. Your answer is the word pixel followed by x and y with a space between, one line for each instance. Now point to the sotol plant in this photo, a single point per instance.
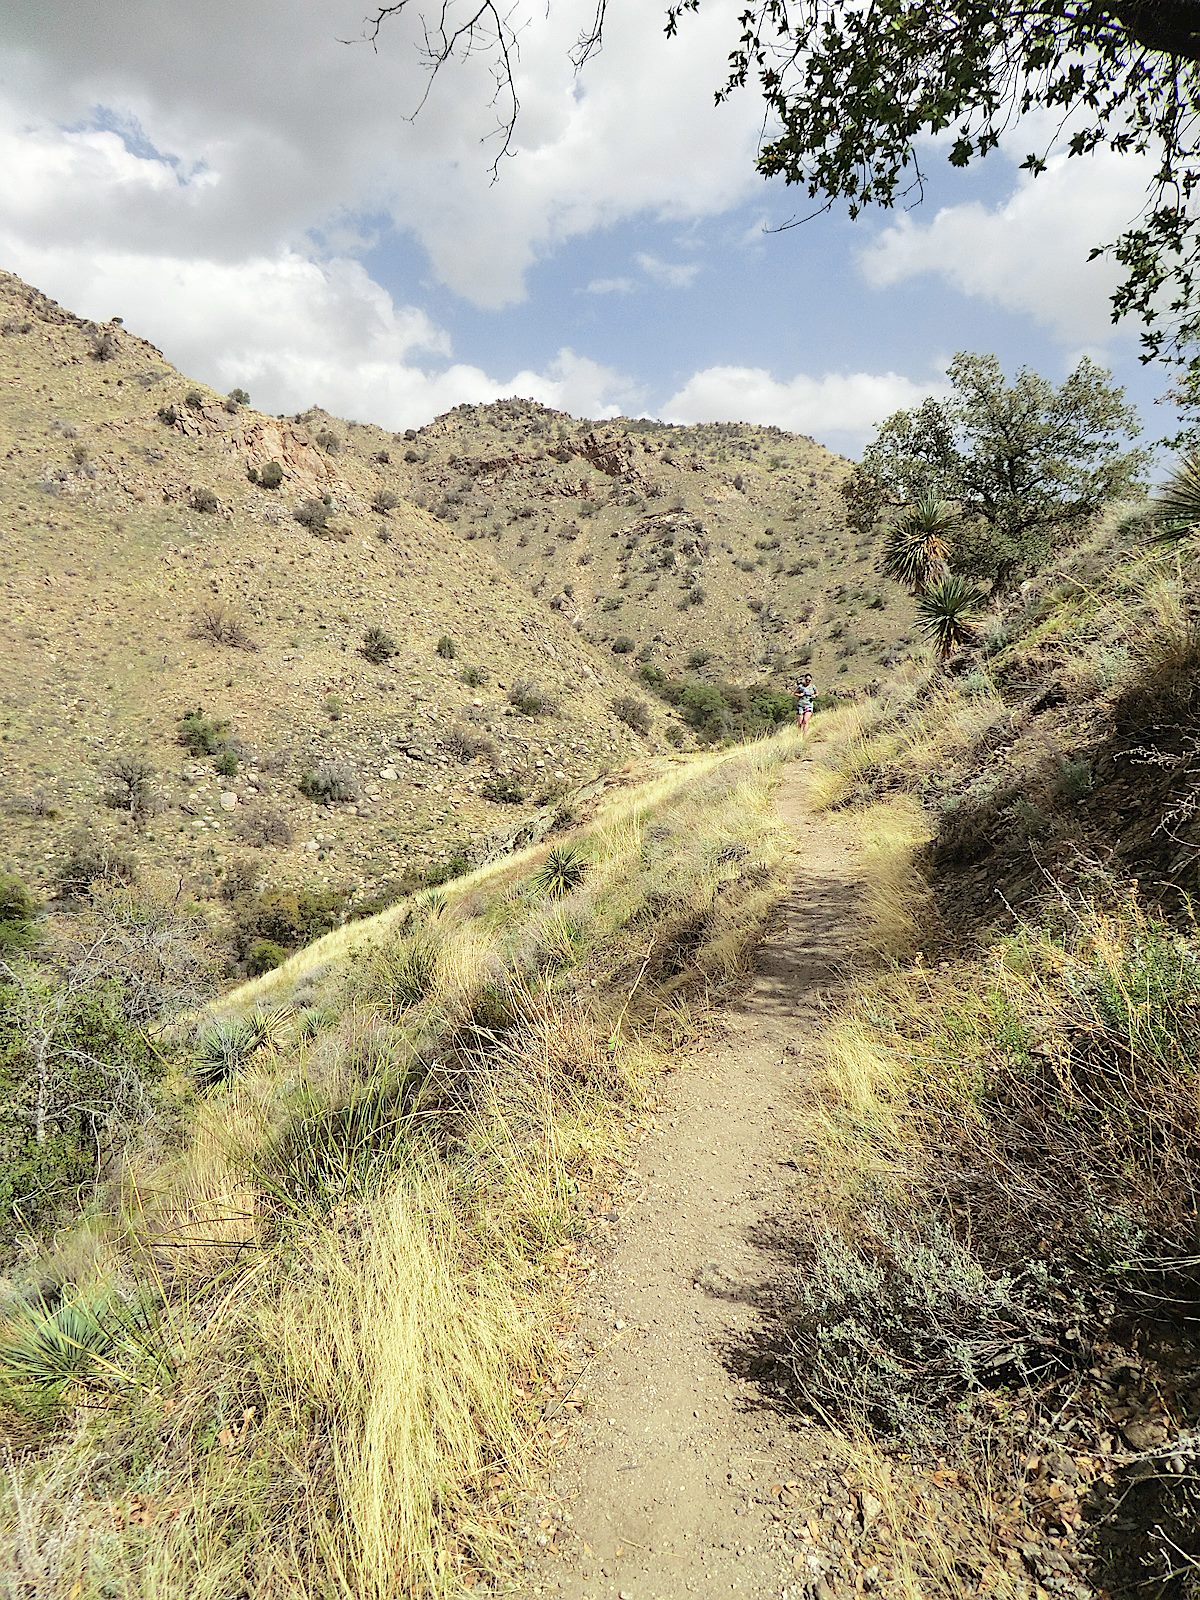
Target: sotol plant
pixel 948 612
pixel 916 545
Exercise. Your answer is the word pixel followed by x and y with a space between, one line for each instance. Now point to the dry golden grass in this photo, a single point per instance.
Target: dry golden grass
pixel 357 1242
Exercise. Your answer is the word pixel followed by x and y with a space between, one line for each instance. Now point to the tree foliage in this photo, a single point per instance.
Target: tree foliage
pixel 1016 460
pixel 854 90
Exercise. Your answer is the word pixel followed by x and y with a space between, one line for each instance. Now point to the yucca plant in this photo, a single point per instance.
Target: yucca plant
pixel 227 1045
pixel 916 546
pixel 947 611
pixel 45 1346
pixel 1177 505
pixel 563 870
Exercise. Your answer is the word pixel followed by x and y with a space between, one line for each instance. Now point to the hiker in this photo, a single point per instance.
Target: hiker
pixel 806 694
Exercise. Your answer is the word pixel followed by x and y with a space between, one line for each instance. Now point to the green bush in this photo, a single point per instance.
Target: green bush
pixel 384 501
pixel 313 514
pixel 529 700
pixel 329 783
pixel 503 790
pixel 287 918
pixel 129 785
pixel 445 648
pixel 227 763
pixel 378 646
pixel 202 736
pixel 269 476
pixel 74 1079
pixel 329 442
pixel 205 500
pixel 193 399
pixel 633 713
pixel 168 416
pixel 18 911
pixel 473 677
pixel 239 397
pixel 264 955
pixel 623 645
pixel 92 860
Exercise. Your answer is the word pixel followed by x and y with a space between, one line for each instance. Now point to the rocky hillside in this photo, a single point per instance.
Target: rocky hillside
pixel 169 551
pixel 718 550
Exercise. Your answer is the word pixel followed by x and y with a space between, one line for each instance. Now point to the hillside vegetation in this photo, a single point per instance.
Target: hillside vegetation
pixel 994 1291
pixel 300 1337
pixel 719 551
pixel 199 668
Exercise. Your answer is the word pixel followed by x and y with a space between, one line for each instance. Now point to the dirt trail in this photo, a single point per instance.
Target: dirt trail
pixel 667 1482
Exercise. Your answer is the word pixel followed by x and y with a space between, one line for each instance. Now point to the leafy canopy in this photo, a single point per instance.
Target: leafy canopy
pixel 1017 461
pixel 854 88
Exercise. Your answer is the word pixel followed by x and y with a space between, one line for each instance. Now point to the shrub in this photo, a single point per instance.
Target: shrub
pixel 200 735
pixel 529 700
pixel 18 909
pixel 384 501
pixel 675 735
pixel 285 917
pixel 329 783
pixel 104 345
pixel 204 500
pixel 378 646
pixel 473 677
pixel 633 713
pixel 445 648
pixel 383 457
pixel 260 828
pixel 622 646
pixel 129 786
pixel 313 514
pixel 503 790
pixel 466 745
pixel 332 707
pixel 699 658
pixel 264 955
pixel 227 763
pixel 168 416
pixel 329 442
pixel 220 623
pixel 227 1045
pixel 92 860
pixel 269 476
pixel 193 399
pixel 239 397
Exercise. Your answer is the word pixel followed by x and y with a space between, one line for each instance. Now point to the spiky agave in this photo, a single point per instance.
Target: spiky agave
pixel 916 545
pixel 562 871
pixel 1177 505
pixel 947 612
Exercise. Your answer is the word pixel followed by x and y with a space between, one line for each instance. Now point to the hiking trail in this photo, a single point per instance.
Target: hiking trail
pixel 672 1482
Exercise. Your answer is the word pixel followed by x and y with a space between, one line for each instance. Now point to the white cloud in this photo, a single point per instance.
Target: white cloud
pixel 671 274
pixel 842 406
pixel 1029 253
pixel 611 286
pixel 279 130
pixel 297 332
pixel 219 197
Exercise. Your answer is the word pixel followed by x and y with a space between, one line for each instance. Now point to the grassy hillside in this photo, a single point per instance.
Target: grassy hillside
pixel 300 1339
pixel 993 1299
pixel 146 576
pixel 719 551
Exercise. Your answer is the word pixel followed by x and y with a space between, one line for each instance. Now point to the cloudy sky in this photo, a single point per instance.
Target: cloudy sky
pixel 253 195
